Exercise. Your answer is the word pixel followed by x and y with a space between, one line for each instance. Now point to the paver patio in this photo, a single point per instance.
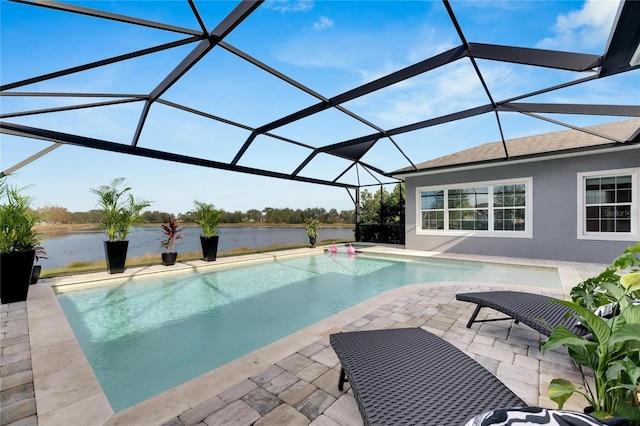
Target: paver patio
pixel 46 380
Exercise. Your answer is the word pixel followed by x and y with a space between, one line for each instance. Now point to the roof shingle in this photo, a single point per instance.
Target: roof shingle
pixel 538 145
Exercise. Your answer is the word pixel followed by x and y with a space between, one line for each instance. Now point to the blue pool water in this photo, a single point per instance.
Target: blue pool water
pixel 146 336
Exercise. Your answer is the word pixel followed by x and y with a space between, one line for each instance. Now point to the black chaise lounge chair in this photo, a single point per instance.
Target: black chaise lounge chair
pixel 535 310
pixel 408 376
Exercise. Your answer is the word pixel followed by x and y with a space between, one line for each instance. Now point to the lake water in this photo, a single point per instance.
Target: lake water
pixel 88 246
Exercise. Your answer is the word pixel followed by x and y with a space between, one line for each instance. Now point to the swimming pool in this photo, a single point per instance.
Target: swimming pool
pixel 145 336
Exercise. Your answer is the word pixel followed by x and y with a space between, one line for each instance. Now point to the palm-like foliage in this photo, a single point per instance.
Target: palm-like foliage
pixel 120 208
pixel 312 227
pixel 17 220
pixel 207 217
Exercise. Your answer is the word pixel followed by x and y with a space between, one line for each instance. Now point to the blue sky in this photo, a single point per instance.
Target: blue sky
pixel 329 46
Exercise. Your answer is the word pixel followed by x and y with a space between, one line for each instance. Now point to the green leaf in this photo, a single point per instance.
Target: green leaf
pixel 624 333
pixel 631 314
pixel 560 390
pixel 594 323
pixel 613 372
pixel 631 281
pixel 561 335
pixel 614 290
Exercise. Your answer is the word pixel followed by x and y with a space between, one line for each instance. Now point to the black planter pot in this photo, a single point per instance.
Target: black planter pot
pixel 169 259
pixel 116 255
pixel 15 275
pixel 312 241
pixel 209 247
pixel 35 274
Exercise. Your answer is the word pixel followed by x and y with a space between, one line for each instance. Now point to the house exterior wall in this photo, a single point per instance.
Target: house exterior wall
pixel 554 210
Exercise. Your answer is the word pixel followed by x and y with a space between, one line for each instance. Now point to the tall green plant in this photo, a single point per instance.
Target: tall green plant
pixel 589 293
pixel 120 208
pixel 207 216
pixel 17 220
pixel 611 351
pixel 312 227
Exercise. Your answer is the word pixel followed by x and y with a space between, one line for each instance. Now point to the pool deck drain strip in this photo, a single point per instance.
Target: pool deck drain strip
pixel 273 383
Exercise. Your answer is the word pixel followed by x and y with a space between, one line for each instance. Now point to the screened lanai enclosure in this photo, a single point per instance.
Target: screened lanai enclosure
pixel 342 98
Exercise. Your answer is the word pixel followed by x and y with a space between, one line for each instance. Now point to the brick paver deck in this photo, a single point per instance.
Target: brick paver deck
pixel 301 388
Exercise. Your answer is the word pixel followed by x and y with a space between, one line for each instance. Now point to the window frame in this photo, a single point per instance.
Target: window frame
pixel 582 233
pixel 528 210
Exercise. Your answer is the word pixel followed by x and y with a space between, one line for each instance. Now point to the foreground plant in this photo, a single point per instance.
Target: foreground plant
pixel 589 293
pixel 611 351
pixel 17 220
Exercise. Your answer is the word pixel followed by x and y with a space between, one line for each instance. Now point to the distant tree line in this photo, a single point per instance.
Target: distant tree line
pixel 60 215
pixel 381 206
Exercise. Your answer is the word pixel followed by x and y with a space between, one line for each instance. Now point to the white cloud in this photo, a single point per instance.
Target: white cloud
pixel 323 23
pixel 586 28
pixel 289 5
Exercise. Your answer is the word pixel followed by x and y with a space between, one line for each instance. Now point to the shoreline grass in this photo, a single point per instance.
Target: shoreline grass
pixel 149 259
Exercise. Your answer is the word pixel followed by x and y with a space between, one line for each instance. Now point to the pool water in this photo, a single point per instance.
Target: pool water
pixel 146 336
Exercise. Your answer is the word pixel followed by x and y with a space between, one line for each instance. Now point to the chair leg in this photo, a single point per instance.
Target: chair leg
pixel 341 380
pixel 473 317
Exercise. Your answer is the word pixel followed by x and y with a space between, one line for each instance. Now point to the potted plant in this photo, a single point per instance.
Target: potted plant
pixel 18 237
pixel 37 269
pixel 312 230
pixel 208 217
pixel 121 210
pixel 611 351
pixel 172 233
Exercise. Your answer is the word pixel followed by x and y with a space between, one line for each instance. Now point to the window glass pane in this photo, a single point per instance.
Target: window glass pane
pixel 623 181
pixel 593 212
pixel 610 197
pixel 623 212
pixel 607 225
pixel 432 200
pixel 433 220
pixel 623 225
pixel 608 183
pixel 477 197
pixel 508 200
pixel 624 195
pixel 592 184
pixel 519 195
pixel 594 197
pixel 593 225
pixel 498 200
pixel 607 212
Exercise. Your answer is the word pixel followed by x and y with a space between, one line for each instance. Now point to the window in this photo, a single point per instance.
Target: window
pixel 492 209
pixel 608 203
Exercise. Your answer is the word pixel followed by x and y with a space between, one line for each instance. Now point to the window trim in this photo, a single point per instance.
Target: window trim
pixel 528 210
pixel 582 233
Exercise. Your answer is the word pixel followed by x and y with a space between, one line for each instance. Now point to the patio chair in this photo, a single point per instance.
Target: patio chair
pixel 534 310
pixel 408 376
